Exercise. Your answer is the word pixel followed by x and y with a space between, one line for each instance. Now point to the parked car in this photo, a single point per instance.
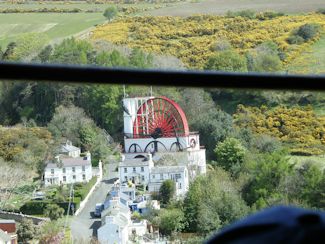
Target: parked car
pixel 98 209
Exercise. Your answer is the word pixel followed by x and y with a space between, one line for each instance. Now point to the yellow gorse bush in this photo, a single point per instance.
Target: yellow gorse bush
pixel 190 39
pixel 299 127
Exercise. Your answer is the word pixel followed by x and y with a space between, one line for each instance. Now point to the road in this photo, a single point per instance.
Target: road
pixel 85 226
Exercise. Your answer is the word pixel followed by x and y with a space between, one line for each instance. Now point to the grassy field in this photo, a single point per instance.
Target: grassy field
pixel 222 6
pixel 57 25
pixel 311 61
pixel 54 25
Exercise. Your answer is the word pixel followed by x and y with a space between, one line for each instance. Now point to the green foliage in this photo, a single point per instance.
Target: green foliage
pixel 71 51
pixel 266 144
pixel 27 147
pixel 230 155
pixel 264 58
pixel 26 230
pixel 140 59
pixel 304 33
pixel 34 207
pixel 171 221
pixel 268 15
pixel 110 13
pixel 212 202
pixel 53 211
pixel 248 14
pixel 295 39
pixel 227 61
pixel 167 191
pixel 266 172
pixel 310 186
pixel 72 123
pixel 221 45
pixel 308 31
pixel 82 189
pixel 113 59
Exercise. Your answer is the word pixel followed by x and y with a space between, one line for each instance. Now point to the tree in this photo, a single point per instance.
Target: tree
pixel 72 51
pixel 230 155
pixel 212 202
pixel 53 211
pixel 139 59
pixel 266 173
pixel 26 230
pixel 110 13
pixel 167 191
pixel 228 60
pixel 171 221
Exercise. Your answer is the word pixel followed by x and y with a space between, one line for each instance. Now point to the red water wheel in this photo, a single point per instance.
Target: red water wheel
pixel 160 117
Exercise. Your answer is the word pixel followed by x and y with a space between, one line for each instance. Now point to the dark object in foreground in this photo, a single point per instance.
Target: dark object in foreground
pixel 276 225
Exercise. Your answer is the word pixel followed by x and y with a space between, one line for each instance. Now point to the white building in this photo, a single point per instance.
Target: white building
pixel 179 174
pixel 69 150
pixel 115 224
pixel 68 168
pixel 136 170
pixel 158 125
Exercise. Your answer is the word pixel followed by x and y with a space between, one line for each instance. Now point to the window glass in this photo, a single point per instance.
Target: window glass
pixel 244 150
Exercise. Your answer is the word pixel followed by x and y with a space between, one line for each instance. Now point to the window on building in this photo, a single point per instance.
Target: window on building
pixel 153 176
pixel 161 176
pixel 125 170
pixel 52 171
pixel 134 169
pixel 73 169
pixel 83 168
pixel 83 177
pixel 178 176
pixel 142 177
pixel 74 177
pixel 180 186
pixel 63 170
pixel 64 178
pixel 142 169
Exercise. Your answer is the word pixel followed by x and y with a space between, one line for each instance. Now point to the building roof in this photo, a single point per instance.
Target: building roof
pixel 7 221
pixel 68 162
pixel 134 162
pixel 168 169
pixel 68 147
pixel 4 236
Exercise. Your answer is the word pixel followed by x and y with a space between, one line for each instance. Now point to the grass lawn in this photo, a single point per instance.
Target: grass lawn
pixel 312 61
pixel 54 25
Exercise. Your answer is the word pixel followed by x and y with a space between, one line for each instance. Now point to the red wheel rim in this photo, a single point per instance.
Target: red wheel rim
pixel 160 115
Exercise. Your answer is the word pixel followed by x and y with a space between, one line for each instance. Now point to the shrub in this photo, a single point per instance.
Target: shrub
pixel 295 39
pixel 268 15
pixel 53 211
pixel 227 61
pixel 34 207
pixel 308 31
pixel 248 14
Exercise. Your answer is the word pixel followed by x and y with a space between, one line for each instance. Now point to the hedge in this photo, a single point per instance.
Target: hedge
pixel 38 207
